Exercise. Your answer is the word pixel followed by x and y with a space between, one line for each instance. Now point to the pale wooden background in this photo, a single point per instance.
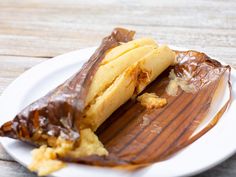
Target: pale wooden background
pixel 33 31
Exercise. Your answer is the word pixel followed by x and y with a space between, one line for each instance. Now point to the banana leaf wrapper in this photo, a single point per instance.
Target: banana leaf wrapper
pixel 60 111
pixel 133 144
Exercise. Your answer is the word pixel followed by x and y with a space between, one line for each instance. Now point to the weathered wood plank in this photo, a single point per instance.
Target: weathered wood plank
pixel 12 66
pixel 14 169
pixel 4 156
pixel 226 169
pixel 216 42
pixel 152 13
pixel 39 28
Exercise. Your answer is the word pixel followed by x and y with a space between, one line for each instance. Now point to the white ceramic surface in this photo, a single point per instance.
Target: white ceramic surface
pixel 208 151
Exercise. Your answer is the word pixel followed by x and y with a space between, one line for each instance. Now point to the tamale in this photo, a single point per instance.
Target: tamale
pixel 134 135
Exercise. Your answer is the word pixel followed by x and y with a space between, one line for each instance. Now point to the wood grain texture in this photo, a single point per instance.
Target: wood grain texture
pixel 12 66
pixel 4 156
pixel 226 169
pixel 42 28
pixel 14 169
pixel 31 30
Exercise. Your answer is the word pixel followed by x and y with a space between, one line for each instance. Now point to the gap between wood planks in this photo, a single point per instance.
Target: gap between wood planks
pixel 8 55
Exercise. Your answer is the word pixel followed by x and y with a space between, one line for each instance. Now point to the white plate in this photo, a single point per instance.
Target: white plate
pixel 208 151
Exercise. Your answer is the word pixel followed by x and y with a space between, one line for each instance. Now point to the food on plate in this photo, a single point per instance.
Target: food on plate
pixel 151 100
pixel 94 118
pixel 45 159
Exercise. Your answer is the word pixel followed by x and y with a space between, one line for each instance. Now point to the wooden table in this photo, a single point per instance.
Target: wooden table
pixel 33 31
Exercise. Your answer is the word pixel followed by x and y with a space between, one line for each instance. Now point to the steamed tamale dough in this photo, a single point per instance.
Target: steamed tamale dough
pixel 151 100
pixel 137 75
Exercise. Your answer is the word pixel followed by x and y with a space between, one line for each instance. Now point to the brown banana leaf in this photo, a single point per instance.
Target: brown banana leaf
pixel 132 143
pixel 133 135
pixel 60 111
